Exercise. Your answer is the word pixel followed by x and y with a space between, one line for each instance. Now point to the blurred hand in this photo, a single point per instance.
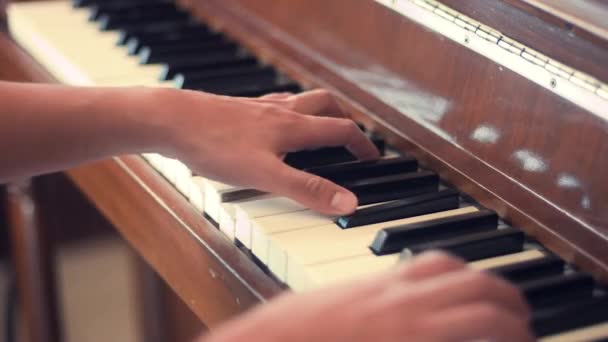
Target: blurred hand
pixel 242 141
pixel 434 298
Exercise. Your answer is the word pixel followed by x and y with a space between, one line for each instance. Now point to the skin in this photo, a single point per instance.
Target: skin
pixel 236 140
pixel 434 298
pixel 47 128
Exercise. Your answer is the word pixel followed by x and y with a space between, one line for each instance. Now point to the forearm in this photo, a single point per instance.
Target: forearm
pixel 47 128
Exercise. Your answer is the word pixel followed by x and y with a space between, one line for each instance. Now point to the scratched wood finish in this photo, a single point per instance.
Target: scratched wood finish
pixel 554 38
pixel 541 166
pixel 354 46
pixel 214 278
pixel 588 15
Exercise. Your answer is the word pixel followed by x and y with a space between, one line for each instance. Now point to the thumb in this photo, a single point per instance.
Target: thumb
pixel 310 190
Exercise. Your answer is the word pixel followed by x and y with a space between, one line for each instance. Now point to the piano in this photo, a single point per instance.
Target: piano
pixel 491 115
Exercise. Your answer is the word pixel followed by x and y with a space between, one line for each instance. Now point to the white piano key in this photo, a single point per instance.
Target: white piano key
pixel 156 161
pixel 262 228
pixel 249 210
pixel 289 251
pixel 218 193
pixel 213 197
pixel 587 334
pixel 365 266
pixel 183 178
pixel 49 31
pixel 507 259
pixel 358 267
pixel 226 220
pixel 169 169
pixel 196 195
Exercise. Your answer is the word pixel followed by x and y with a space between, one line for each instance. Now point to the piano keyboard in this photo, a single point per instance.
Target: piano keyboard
pixel 404 210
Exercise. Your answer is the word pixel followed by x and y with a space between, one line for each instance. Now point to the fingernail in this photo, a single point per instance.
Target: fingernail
pixel 345 203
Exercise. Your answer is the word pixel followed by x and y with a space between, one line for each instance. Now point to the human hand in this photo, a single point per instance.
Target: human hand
pixel 434 298
pixel 242 141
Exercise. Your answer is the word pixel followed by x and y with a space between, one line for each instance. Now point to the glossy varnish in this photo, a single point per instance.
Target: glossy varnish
pixel 515 146
pixel 518 148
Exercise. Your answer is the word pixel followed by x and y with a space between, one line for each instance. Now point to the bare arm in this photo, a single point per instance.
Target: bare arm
pixel 49 127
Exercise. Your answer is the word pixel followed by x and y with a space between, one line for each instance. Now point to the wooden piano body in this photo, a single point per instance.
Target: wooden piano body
pixel 521 143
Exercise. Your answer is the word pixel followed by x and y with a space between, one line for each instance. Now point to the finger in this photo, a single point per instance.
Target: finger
pixel 477 322
pixel 430 264
pixel 467 287
pixel 309 190
pixel 317 102
pixel 277 96
pixel 315 132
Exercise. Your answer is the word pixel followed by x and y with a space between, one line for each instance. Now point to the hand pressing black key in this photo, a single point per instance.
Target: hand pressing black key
pixel 307 160
pixel 394 240
pixel 475 246
pixel 407 207
pixel 343 172
pixel 392 187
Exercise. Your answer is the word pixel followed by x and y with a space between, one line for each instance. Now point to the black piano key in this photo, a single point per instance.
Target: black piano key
pixel 557 319
pixel 131 20
pixel 342 172
pixel 162 28
pixel 475 246
pixel 82 3
pixel 392 187
pixel 184 78
pixel 226 77
pixel 547 266
pixel 407 207
pixel 224 84
pixel 388 188
pixel 257 91
pixel 395 239
pixel 87 3
pixel 325 156
pixel 171 43
pixel 113 8
pixel 558 289
pixel 153 55
pixel 235 86
pixel 189 64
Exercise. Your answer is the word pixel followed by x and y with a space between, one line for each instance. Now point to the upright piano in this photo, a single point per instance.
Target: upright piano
pixel 492 116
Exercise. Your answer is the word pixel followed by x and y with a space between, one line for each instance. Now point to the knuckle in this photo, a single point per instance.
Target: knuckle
pixel 325 95
pixel 444 260
pixel 315 184
pixel 490 313
pixel 347 127
pixel 482 282
pixel 271 110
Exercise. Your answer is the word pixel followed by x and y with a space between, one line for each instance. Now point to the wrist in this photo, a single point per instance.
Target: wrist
pixel 171 116
pixel 142 117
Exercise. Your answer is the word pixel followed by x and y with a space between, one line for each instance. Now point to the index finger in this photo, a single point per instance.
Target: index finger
pixel 317 102
pixel 316 132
